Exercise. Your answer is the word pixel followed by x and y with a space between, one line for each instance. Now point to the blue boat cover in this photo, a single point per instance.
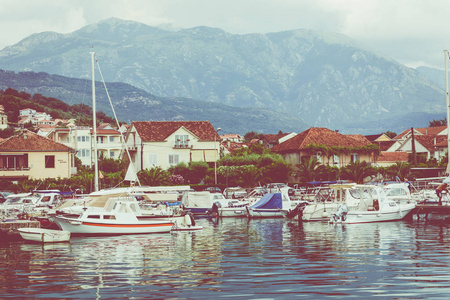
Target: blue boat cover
pixel 269 201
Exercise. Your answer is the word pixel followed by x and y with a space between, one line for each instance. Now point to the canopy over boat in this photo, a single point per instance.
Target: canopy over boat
pixel 269 201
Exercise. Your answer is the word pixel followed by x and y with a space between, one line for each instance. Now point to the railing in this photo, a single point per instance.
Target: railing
pixel 182 146
pixel 15 169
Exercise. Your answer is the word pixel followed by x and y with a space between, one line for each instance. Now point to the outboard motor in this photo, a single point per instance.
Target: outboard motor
pixel 341 213
pixel 298 210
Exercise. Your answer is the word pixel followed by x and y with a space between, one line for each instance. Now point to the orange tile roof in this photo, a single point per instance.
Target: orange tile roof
pixel 158 131
pixel 393 156
pixel 273 138
pixel 32 142
pixel 425 131
pixel 319 136
pixel 430 141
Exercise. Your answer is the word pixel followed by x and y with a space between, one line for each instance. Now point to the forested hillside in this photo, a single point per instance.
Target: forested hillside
pixel 13 101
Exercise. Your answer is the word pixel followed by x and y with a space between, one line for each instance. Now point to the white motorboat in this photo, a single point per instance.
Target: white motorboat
pixel 271 205
pixel 377 207
pixel 44 235
pixel 201 203
pixel 328 200
pixel 120 215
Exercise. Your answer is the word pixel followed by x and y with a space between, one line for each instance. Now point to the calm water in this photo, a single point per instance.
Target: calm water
pixel 256 259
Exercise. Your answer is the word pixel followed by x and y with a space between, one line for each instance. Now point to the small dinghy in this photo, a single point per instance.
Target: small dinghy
pixel 44 235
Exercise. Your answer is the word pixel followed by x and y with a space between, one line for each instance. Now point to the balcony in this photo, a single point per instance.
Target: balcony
pixel 182 147
pixel 15 169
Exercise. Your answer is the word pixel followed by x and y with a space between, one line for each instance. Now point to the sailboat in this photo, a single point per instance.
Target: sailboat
pixel 446 57
pixel 119 212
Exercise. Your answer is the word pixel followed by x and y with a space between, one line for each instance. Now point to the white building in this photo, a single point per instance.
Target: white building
pixel 165 144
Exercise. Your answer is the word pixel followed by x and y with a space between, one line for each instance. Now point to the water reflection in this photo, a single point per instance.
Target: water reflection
pixel 238 258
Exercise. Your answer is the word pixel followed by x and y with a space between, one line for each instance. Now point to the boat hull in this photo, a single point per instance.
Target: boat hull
pixel 232 212
pixel 319 212
pixel 356 217
pixel 44 235
pixel 113 228
pixel 264 213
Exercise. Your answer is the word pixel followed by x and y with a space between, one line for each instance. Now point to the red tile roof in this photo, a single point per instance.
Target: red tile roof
pixel 32 142
pixel 425 131
pixel 384 145
pixel 393 157
pixel 158 131
pixel 273 138
pixel 320 136
pixel 430 141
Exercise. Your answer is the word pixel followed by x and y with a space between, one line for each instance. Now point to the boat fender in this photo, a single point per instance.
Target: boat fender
pixel 187 220
pixel 192 219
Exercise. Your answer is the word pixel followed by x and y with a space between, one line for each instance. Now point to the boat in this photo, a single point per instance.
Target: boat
pixel 120 215
pixel 44 235
pixel 269 206
pixel 201 203
pixel 375 207
pixel 327 200
pixel 187 223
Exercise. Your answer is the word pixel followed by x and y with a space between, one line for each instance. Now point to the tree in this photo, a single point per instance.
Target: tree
pixel 307 170
pixel 250 176
pixel 252 135
pixel 358 171
pixel 390 134
pixel 155 176
pixel 435 123
pixel 401 169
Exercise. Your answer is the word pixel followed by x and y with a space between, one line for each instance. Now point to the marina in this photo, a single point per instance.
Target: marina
pixel 238 257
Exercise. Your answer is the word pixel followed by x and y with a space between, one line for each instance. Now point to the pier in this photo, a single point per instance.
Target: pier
pixel 423 211
pixel 8 229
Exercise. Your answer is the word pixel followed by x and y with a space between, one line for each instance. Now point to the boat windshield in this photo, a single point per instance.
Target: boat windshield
pixel 13 200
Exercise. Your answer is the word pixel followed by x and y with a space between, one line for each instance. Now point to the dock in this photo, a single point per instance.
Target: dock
pixel 8 229
pixel 423 211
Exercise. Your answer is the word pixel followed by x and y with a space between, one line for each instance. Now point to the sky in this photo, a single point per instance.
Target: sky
pixel 411 32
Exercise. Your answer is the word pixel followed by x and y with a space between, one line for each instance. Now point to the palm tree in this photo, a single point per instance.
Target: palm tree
pixel 155 176
pixel 307 170
pixel 402 169
pixel 250 176
pixel 357 171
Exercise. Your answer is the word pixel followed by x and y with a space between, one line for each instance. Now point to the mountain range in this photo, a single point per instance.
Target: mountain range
pixel 287 81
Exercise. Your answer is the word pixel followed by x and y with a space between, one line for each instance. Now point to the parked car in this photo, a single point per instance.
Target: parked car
pixel 235 193
pixel 213 189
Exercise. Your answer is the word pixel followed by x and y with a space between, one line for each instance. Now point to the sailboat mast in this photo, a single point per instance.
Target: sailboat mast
pixel 94 121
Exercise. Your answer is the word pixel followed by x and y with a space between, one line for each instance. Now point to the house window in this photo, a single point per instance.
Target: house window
pixel 336 160
pixel 111 139
pixel 174 159
pixel 318 156
pixel 355 157
pixel 101 139
pixel 15 161
pixel 153 159
pixel 49 161
pixel 111 153
pixel 181 141
pixel 83 153
pixel 83 138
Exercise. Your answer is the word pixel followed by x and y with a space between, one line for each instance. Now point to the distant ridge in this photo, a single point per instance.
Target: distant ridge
pixel 323 78
pixel 132 104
